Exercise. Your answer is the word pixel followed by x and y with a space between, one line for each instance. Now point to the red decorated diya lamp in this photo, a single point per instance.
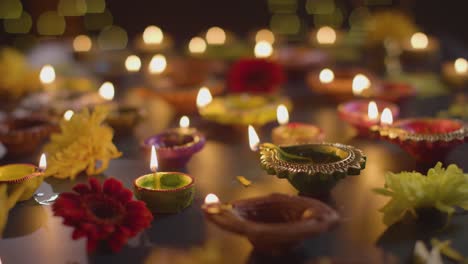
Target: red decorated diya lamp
pixel 427 139
pixel 294 133
pixel 342 84
pixel 273 224
pixel 363 114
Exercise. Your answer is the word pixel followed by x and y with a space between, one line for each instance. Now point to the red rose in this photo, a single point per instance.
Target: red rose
pixel 102 214
pixel 255 76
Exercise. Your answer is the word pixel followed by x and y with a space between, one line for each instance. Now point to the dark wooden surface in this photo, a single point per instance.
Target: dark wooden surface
pixel 33 235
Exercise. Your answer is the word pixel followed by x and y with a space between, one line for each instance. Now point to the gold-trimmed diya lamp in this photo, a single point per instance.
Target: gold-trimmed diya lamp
pixel 293 133
pixel 176 146
pixel 362 114
pixel 314 168
pixel 275 223
pixel 164 192
pixel 456 73
pixel 428 140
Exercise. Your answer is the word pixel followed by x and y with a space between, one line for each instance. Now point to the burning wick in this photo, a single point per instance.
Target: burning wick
pixel 254 140
pixel 184 122
pixel 265 35
pixel 197 45
pixel 282 115
pixel 204 97
pixel 42 163
pixel 154 166
pixel 373 111
pixel 386 118
pixel 326 35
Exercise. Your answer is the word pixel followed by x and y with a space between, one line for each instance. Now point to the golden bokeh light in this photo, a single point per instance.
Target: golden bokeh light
pixel 153 35
pixel 197 45
pixel 133 63
pixel 47 74
pixel 98 21
pixel 419 40
pixel 20 25
pixel 360 83
pixel 326 76
pixel 82 43
pixel 215 36
pixel 113 38
pixel 460 65
pixel 157 64
pixel 51 23
pixel 263 49
pixel 71 7
pixel 326 35
pixel 95 6
pixel 265 35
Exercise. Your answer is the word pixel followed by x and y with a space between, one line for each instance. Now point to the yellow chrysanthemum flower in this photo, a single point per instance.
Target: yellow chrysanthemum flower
pixel 442 189
pixel 84 144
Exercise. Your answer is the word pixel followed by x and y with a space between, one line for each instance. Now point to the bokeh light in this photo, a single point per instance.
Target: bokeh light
pixel 359 17
pixel 10 9
pixel 320 7
pixel 288 24
pixel 197 45
pixel 95 6
pixel 334 19
pixel 133 63
pixel 51 23
pixel 153 35
pixel 263 49
pixel 82 43
pixel 71 7
pixel 265 35
pixel 282 6
pixel 215 36
pixel 20 25
pixel 113 38
pixel 326 35
pixel 98 21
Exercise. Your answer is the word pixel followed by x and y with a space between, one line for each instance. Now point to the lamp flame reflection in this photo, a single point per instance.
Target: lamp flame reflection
pixel 265 35
pixel 387 117
pixel 254 140
pixel 153 160
pixel 211 198
pixel 282 114
pixel 133 63
pixel 153 35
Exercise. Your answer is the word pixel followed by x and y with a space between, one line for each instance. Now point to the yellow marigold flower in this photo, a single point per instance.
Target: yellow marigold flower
pixel 84 144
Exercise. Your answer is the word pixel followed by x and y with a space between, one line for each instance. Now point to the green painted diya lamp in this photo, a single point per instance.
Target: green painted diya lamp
pixel 164 192
pixel 243 109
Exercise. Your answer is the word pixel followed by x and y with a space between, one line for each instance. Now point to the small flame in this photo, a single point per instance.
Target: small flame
pixel 326 76
pixel 82 43
pixel 326 35
pixel 197 45
pixel 204 97
pixel 461 65
pixel 419 40
pixel 154 160
pixel 211 199
pixel 153 35
pixel 68 115
pixel 265 35
pixel 47 74
pixel 372 111
pixel 263 49
pixel 184 122
pixel 133 63
pixel 107 91
pixel 360 83
pixel 215 36
pixel 43 162
pixel 157 64
pixel 386 118
pixel 282 114
pixel 254 140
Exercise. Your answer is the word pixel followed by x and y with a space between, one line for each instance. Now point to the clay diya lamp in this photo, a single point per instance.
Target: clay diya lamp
pixel 24 135
pixel 342 84
pixel 240 109
pixel 164 192
pixel 24 177
pixel 275 223
pixel 456 73
pixel 427 139
pixel 363 114
pixel 176 146
pixel 293 133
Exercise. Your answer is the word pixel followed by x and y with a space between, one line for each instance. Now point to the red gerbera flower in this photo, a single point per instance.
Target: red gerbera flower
pixel 255 76
pixel 102 214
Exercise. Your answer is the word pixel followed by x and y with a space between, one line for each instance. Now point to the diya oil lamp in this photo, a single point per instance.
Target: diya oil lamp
pixel 456 73
pixel 314 168
pixel 24 135
pixel 274 223
pixel 427 139
pixel 420 49
pixel 239 109
pixel 153 40
pixel 293 133
pixel 164 192
pixel 27 177
pixel 176 146
pixel 363 114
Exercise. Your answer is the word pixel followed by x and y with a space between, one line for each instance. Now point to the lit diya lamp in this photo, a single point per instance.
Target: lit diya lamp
pixel 313 169
pixel 420 49
pixel 342 84
pixel 24 135
pixel 24 179
pixel 153 40
pixel 363 114
pixel 456 73
pixel 240 109
pixel 427 139
pixel 164 192
pixel 176 146
pixel 293 133
pixel 275 223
